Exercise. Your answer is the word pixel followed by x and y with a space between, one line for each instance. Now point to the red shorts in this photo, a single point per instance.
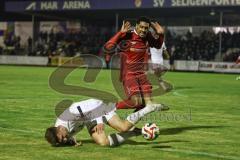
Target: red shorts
pixel 134 85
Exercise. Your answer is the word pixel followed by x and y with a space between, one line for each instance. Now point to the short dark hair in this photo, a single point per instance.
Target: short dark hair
pixel 143 19
pixel 51 136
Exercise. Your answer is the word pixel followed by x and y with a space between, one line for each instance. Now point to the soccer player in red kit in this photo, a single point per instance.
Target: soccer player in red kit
pixel 134 47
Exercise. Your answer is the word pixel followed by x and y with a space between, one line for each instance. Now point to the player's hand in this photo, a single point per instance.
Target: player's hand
pixel 157 27
pixel 78 144
pixel 165 54
pixel 99 128
pixel 125 26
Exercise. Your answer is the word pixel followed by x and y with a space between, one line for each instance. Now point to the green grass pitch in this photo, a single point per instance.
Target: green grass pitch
pixel 203 122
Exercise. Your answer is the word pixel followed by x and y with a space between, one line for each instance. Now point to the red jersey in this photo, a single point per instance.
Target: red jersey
pixel 133 51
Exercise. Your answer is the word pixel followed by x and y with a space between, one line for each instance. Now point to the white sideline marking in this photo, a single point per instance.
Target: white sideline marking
pixel 201 153
pixel 175 93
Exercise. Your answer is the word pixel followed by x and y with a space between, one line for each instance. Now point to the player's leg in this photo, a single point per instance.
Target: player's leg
pixel 136 98
pixel 238 78
pixel 146 90
pixel 159 71
pixel 114 139
pixel 127 104
pixel 166 86
pixel 138 91
pixel 149 102
pixel 100 138
pixel 132 92
pixel 114 121
pixel 118 124
pixel 123 126
pixel 119 138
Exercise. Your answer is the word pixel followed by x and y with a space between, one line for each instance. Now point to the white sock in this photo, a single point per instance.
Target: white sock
pixel 115 139
pixel 162 84
pixel 118 138
pixel 110 141
pixel 135 117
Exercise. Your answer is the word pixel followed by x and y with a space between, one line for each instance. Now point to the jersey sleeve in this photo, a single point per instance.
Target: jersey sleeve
pixel 110 46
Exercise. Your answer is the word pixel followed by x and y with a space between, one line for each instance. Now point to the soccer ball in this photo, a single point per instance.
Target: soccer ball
pixel 150 131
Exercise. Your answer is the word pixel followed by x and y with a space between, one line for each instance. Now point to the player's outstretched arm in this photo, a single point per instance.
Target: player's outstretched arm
pixel 77 144
pixel 157 27
pixel 110 46
pixel 156 42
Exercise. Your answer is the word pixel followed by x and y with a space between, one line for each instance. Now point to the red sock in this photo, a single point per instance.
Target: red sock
pixel 127 104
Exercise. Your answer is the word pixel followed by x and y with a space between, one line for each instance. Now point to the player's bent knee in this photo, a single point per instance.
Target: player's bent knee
pixel 136 100
pixel 125 127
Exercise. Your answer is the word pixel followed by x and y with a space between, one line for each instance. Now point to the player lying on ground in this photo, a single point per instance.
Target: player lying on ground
pixel 135 45
pixel 92 113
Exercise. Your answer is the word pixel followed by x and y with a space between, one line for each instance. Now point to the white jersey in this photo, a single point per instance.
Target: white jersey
pixel 157 54
pixel 78 114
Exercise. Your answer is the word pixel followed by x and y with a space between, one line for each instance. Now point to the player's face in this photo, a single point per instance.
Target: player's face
pixel 62 135
pixel 142 29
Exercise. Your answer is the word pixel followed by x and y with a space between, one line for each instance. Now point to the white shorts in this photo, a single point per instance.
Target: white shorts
pixel 90 125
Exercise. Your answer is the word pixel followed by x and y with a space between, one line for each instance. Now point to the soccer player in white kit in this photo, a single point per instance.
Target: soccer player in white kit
pixel 92 113
pixel 157 54
pixel 158 67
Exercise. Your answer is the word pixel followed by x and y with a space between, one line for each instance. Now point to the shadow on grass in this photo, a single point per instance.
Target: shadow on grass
pixel 166 131
pixel 161 147
pixel 131 142
pixel 87 141
pixel 177 130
